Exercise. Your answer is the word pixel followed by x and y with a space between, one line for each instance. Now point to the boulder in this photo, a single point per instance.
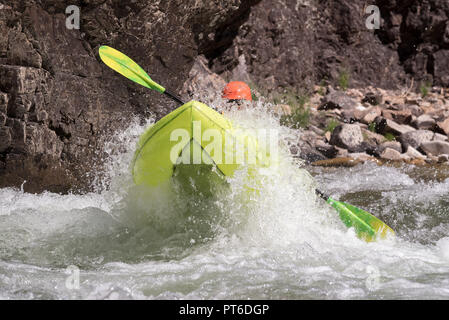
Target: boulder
pixel 444 126
pixel 326 149
pixel 391 154
pixel 338 100
pixel 348 136
pixel 415 138
pixel 372 136
pixel 435 148
pixel 440 137
pixel 372 98
pixel 371 114
pixel 384 126
pixel 395 145
pixel 414 154
pixel 399 116
pixel 442 158
pixel 424 122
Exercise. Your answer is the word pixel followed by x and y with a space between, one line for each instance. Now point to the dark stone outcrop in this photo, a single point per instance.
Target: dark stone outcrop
pixel 300 43
pixel 59 103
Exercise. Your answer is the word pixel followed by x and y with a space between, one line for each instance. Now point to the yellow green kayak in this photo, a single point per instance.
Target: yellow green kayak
pixel 196 137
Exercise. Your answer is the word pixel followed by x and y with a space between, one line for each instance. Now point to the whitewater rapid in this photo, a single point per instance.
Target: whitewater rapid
pixel 123 242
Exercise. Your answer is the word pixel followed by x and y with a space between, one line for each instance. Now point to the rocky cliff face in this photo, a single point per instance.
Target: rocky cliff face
pixel 297 43
pixel 58 102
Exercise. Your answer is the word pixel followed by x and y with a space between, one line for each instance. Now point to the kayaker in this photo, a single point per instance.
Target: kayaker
pixel 235 93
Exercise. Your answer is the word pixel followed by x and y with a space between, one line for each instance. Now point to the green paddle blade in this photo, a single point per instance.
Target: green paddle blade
pixel 366 226
pixel 124 65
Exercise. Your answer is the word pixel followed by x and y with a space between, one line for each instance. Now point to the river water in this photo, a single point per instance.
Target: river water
pixel 123 242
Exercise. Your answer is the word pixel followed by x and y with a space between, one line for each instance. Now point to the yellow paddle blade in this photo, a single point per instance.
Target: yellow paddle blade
pixel 367 226
pixel 124 65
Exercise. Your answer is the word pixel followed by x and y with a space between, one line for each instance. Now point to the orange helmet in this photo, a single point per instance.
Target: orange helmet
pixel 237 90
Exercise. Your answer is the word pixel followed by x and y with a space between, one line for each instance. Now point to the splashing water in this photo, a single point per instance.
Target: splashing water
pixel 279 243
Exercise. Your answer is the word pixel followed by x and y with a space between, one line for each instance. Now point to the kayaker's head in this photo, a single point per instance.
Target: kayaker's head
pixel 236 91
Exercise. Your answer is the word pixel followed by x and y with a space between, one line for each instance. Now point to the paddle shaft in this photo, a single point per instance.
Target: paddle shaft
pixel 173 96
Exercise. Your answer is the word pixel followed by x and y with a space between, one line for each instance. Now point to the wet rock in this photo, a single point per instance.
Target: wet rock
pixel 391 154
pixel 306 151
pixel 414 154
pixel 442 158
pixel 348 136
pixel 363 156
pixel 337 162
pixel 415 138
pixel 435 148
pixel 329 151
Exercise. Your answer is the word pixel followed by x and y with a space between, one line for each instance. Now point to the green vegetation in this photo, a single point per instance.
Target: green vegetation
pixel 343 79
pixel 372 127
pixel 425 87
pixel 389 137
pixel 300 116
pixel 331 125
pixel 321 90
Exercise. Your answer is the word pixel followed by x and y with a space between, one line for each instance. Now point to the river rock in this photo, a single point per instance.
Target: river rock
pixel 442 158
pixel 435 148
pixel 440 137
pixel 329 151
pixel 348 136
pixel 395 145
pixel 391 154
pixel 338 162
pixel 424 122
pixel 372 98
pixel 384 126
pixel 400 116
pixel 444 126
pixel 371 114
pixel 338 100
pixel 415 138
pixel 414 154
pixel 372 136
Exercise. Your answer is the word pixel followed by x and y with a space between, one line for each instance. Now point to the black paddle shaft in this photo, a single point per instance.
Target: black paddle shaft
pixel 173 96
pixel 322 195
